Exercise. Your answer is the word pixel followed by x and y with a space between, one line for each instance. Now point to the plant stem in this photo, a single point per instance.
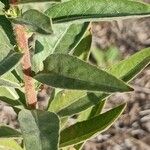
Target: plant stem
pixel 22 41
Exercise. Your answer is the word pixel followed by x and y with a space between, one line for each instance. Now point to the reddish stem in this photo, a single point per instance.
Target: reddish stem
pixel 22 41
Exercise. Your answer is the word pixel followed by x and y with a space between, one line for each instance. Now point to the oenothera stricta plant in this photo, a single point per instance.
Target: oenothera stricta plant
pixel 47 42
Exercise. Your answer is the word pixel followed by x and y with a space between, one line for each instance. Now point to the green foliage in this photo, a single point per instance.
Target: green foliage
pixel 60 51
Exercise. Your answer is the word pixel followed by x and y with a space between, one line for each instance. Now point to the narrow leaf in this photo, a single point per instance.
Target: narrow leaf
pixel 126 70
pixel 68 72
pixel 37 20
pixel 87 10
pixel 131 67
pixel 40 129
pixel 9 144
pixel 9 62
pixel 7 132
pixel 84 130
pixel 9 101
pixel 71 38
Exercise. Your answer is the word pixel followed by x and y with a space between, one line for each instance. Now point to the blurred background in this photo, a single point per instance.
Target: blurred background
pixel 112 42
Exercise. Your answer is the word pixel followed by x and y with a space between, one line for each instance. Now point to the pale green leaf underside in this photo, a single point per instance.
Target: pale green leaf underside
pixel 40 129
pixel 9 144
pixel 83 130
pixel 69 72
pixel 87 10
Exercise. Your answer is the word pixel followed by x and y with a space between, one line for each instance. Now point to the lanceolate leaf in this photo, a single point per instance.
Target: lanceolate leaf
pixel 9 62
pixel 40 129
pixel 9 144
pixel 129 68
pixel 71 38
pixel 69 72
pixel 83 130
pixel 126 70
pixel 37 20
pixel 32 1
pixel 94 9
pixel 7 132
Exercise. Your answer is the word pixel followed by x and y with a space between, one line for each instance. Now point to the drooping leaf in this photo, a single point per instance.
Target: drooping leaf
pixel 9 144
pixel 84 130
pixel 87 10
pixel 69 72
pixel 7 132
pixel 40 129
pixel 37 20
pixel 33 1
pixel 71 38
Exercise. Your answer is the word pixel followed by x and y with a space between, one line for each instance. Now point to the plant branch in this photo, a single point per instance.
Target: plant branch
pixel 22 41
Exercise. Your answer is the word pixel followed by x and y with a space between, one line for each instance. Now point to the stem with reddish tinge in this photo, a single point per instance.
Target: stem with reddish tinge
pixel 22 42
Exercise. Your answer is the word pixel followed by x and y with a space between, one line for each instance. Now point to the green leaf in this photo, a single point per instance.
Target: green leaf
pixel 87 10
pixel 126 69
pixel 82 51
pixel 9 144
pixel 71 38
pixel 68 72
pixel 40 129
pixel 65 98
pixel 37 20
pixel 10 62
pixel 6 25
pixel 37 1
pixel 131 67
pixel 9 101
pixel 1 8
pixel 78 104
pixel 84 130
pixel 7 132
pixel 45 45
